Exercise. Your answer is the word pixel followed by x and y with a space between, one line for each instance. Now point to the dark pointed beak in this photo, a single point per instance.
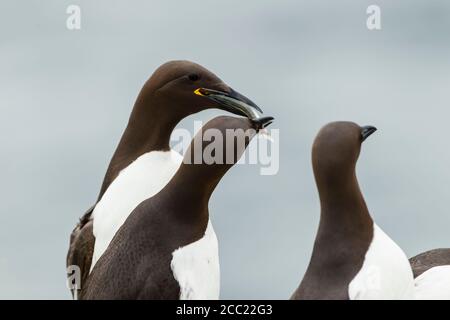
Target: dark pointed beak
pixel 366 131
pixel 262 122
pixel 232 101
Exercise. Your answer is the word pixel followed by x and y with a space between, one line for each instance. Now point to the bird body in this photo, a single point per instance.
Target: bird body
pixel 167 248
pixel 433 284
pixel 196 268
pixel 142 179
pixel 432 274
pixel 385 273
pixel 429 259
pixel 137 263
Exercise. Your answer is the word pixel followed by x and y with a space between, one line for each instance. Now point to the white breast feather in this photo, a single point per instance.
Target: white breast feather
pixel 141 180
pixel 196 268
pixel 434 284
pixel 386 273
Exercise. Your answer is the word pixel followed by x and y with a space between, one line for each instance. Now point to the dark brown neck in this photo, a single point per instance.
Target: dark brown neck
pixel 343 203
pixel 344 213
pixel 149 129
pixel 344 235
pixel 192 187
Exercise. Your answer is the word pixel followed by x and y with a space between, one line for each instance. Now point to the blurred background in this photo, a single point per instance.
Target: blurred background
pixel 65 98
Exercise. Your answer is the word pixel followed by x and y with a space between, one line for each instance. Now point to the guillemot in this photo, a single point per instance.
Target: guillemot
pixel 143 162
pixel 352 257
pixel 167 248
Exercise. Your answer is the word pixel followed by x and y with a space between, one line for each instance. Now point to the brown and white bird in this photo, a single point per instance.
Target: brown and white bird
pixel 352 257
pixel 432 274
pixel 143 162
pixel 167 249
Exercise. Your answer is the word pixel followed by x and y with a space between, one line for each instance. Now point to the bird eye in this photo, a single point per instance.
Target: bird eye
pixel 194 77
